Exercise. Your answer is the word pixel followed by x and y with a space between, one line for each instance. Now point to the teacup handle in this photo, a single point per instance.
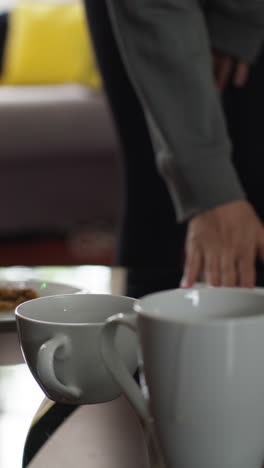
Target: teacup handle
pixel 45 366
pixel 116 365
pixel 122 376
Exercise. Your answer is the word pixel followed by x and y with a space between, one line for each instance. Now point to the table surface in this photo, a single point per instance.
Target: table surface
pixel 108 435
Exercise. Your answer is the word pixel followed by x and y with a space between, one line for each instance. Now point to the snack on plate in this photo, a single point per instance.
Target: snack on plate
pixel 10 298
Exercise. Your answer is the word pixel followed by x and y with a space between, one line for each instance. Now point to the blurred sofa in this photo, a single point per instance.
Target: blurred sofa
pixel 58 159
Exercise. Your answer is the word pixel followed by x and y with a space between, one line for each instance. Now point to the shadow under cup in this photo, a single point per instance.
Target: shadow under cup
pixel 60 337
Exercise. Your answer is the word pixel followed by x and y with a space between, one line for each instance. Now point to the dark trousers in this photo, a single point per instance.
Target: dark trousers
pixel 151 242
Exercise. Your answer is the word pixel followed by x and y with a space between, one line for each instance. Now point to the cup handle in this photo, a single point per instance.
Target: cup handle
pixel 45 366
pixel 116 365
pixel 122 376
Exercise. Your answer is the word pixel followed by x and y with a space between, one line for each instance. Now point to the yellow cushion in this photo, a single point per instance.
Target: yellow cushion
pixel 49 43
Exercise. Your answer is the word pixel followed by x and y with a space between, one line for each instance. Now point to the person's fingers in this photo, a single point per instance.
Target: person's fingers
pixel 212 273
pixel 246 270
pixel 223 72
pixel 241 74
pixel 192 267
pixel 229 274
pixel 260 246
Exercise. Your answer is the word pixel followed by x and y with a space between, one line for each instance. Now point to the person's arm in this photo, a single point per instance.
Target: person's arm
pixel 236 31
pixel 166 48
pixel 236 27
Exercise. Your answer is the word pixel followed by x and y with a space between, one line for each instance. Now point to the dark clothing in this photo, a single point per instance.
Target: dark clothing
pixel 151 241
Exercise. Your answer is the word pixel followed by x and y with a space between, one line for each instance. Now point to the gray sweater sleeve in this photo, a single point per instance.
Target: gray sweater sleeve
pixel 166 49
pixel 236 26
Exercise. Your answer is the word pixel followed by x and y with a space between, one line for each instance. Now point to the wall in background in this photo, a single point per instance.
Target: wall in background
pixel 9 4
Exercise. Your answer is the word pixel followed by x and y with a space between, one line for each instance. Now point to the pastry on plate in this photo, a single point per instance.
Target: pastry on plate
pixel 10 298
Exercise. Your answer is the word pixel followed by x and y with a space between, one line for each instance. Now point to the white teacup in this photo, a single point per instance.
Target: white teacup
pixel 60 341
pixel 203 355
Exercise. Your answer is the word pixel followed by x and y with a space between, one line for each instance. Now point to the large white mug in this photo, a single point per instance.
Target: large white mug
pixel 203 357
pixel 60 341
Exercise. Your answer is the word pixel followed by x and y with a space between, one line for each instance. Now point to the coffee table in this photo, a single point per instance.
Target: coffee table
pixel 108 435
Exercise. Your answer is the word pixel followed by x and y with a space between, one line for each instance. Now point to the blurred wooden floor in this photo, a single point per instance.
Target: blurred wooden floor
pixel 79 249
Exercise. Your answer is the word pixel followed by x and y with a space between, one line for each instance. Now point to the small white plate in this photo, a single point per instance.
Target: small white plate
pixel 42 288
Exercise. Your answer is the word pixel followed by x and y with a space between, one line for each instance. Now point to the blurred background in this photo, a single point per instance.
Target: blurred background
pixel 59 174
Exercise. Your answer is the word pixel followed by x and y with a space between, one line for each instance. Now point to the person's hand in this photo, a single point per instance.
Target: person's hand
pixel 222 244
pixel 226 69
